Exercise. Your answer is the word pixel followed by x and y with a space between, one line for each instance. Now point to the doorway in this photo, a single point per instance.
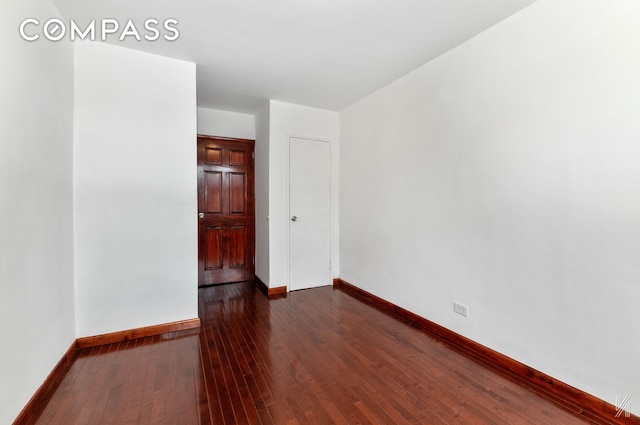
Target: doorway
pixel 309 213
pixel 226 210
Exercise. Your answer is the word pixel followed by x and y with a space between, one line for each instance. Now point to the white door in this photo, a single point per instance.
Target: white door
pixel 309 213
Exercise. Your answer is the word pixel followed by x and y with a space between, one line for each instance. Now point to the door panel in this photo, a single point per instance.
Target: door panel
pixel 237 242
pixel 310 213
pixel 213 155
pixel 237 157
pixel 238 193
pixel 213 192
pixel 213 247
pixel 226 204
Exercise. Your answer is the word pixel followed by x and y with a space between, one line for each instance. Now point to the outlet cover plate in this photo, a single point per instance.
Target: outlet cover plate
pixel 462 310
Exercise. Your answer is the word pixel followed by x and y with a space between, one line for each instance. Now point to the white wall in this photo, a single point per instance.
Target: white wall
pixel 286 120
pixel 214 122
pixel 504 175
pixel 262 194
pixel 36 205
pixel 135 189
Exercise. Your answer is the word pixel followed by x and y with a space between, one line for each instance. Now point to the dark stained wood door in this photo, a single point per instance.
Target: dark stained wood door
pixel 226 210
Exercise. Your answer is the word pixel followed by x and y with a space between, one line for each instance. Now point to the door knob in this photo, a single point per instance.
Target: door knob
pixel 294 218
pixel 201 215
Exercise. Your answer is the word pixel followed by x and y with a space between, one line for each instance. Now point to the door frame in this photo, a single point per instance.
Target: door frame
pixel 251 205
pixel 288 206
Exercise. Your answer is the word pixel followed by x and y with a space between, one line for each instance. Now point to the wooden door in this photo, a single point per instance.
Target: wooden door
pixel 226 210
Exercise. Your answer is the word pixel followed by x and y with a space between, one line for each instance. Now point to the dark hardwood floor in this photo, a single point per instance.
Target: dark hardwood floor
pixel 314 357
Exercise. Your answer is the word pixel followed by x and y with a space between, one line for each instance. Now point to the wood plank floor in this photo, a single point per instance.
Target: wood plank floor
pixel 314 357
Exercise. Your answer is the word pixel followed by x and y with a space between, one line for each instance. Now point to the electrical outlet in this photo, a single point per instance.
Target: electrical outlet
pixel 462 310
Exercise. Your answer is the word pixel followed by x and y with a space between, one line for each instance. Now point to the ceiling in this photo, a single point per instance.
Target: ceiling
pixel 322 53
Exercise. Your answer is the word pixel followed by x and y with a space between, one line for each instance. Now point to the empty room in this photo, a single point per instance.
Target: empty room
pixel 320 212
